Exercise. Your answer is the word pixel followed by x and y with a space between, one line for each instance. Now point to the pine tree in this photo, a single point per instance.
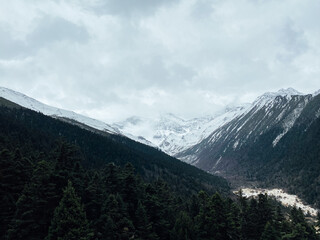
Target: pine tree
pixel 250 225
pixel 159 206
pixel 265 212
pixel 14 173
pixel 93 200
pixel 35 206
pixel 111 178
pixel 183 228
pixel 270 233
pixel 300 228
pixel 297 216
pixel 129 189
pixel 69 221
pixel 298 233
pixel 219 216
pixel 233 221
pixel 142 224
pixel 7 189
pixel 114 222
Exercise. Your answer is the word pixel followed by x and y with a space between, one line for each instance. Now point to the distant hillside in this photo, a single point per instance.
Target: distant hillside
pixel 27 130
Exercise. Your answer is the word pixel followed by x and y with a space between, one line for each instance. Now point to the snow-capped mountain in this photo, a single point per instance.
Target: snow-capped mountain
pixel 72 117
pixel 30 103
pixel 200 141
pixel 272 115
pixel 173 134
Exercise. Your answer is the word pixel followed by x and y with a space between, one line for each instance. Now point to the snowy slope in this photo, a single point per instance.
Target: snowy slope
pixel 37 106
pixel 278 110
pixel 173 134
pixel 270 100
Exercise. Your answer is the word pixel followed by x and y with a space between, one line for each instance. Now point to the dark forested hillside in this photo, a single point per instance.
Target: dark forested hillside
pixel 58 181
pixel 54 197
pixel 34 133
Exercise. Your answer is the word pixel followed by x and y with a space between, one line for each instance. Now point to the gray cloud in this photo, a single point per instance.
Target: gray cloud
pixel 129 7
pixel 112 59
pixel 10 47
pixel 55 29
pixel 48 31
pixel 293 41
pixel 202 9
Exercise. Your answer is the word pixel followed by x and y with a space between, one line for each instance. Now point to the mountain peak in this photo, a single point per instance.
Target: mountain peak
pixel 282 92
pixel 316 93
pixel 270 96
pixel 289 91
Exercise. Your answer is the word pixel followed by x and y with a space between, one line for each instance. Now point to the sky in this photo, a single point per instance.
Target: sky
pixel 111 59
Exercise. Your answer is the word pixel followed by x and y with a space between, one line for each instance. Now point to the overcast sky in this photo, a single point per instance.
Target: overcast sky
pixel 111 59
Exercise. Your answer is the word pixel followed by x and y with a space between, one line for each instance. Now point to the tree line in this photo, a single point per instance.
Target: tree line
pixel 54 197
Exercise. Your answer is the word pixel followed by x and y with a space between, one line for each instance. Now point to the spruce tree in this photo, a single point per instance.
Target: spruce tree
pixel 7 189
pixel 93 199
pixel 68 167
pixel 270 233
pixel 35 206
pixel 14 173
pixel 142 224
pixel 265 212
pixel 233 221
pixel 111 178
pixel 114 222
pixel 250 227
pixel 69 221
pixel 184 228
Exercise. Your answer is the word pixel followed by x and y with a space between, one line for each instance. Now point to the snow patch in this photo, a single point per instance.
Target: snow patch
pixel 235 145
pixel 216 164
pixel 289 121
pixel 277 139
pixel 281 196
pixel 318 113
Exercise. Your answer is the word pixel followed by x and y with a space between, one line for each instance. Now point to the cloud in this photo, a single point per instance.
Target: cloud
pixel 47 32
pixel 128 7
pixel 56 29
pixel 112 59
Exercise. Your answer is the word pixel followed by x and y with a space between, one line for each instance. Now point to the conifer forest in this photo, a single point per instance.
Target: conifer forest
pixel 56 185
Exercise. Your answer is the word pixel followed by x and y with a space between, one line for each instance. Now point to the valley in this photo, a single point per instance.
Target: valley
pixel 252 145
pixel 129 187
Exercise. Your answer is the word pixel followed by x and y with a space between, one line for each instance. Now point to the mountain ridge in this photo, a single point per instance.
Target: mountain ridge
pixel 267 111
pixel 168 132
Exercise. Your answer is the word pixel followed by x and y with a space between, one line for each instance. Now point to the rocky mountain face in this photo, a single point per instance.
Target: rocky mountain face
pixel 266 122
